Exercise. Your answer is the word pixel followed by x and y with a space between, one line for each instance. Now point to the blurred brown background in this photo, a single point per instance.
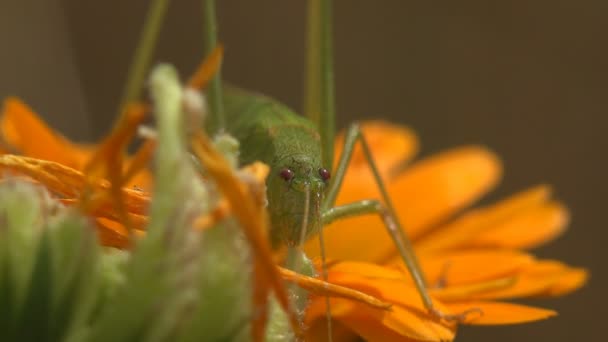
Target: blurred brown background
pixel 527 78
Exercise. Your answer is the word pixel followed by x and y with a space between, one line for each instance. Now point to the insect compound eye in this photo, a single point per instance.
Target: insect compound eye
pixel 325 175
pixel 286 174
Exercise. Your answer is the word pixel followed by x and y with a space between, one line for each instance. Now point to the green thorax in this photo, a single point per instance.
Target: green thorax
pixel 266 129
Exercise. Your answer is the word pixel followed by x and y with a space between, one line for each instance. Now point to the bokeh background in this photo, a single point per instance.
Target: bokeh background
pixel 527 78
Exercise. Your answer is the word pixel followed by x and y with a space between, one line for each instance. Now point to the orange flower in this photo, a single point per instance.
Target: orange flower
pixel 68 169
pixel 25 133
pixel 470 260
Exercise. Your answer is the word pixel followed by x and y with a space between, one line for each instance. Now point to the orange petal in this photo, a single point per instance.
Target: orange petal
pixel 207 69
pixel 465 228
pixel 136 202
pixel 529 229
pixel 109 156
pixel 377 325
pixel 455 289
pixel 472 291
pixel 322 288
pixel 407 317
pixel 23 130
pixel 365 269
pixel 317 331
pixel 571 280
pixel 438 187
pixel 471 266
pixel 426 193
pixel 142 180
pixel 108 161
pixel 136 174
pixel 56 177
pixel 112 233
pixel 367 240
pixel 390 290
pixel 69 182
pixel 495 313
pixel 137 221
pixel 541 278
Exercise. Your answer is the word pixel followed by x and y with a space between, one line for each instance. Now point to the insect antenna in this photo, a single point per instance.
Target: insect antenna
pixel 324 276
pixel 322 243
pixel 301 242
pixel 305 217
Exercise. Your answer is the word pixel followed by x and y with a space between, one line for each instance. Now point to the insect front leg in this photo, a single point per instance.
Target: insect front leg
pixel 386 212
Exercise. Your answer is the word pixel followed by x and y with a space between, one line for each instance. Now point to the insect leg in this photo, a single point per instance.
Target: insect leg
pixel 384 209
pixel 217 122
pixel 394 229
pixel 319 89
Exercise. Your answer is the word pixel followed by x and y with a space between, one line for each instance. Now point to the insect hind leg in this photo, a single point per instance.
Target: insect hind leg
pixel 386 212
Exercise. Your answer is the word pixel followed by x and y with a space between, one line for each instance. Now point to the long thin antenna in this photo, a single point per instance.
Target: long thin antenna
pixel 294 254
pixel 295 264
pixel 325 279
pixel 323 258
pixel 306 213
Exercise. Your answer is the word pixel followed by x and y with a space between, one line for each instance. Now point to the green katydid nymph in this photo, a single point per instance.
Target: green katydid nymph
pixel 301 190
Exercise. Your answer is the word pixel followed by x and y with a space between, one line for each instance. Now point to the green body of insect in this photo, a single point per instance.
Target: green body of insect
pixel 300 197
pixel 272 133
